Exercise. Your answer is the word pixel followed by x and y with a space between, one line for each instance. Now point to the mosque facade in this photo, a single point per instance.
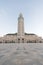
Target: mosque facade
pixel 21 36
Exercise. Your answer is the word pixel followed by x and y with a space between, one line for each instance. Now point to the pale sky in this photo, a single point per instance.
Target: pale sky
pixel 32 11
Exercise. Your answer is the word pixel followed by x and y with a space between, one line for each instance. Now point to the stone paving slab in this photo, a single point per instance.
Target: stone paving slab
pixel 21 54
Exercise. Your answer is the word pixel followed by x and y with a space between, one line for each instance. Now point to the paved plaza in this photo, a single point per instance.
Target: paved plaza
pixel 21 54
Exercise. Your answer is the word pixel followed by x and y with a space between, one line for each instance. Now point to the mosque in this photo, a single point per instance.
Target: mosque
pixel 21 36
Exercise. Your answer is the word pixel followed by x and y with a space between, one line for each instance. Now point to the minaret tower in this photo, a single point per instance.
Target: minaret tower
pixel 20 27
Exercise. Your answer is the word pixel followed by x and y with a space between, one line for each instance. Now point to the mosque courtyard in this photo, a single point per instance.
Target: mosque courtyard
pixel 21 54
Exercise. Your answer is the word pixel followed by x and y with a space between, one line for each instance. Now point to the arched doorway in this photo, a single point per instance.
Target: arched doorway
pixel 23 40
pixel 18 40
